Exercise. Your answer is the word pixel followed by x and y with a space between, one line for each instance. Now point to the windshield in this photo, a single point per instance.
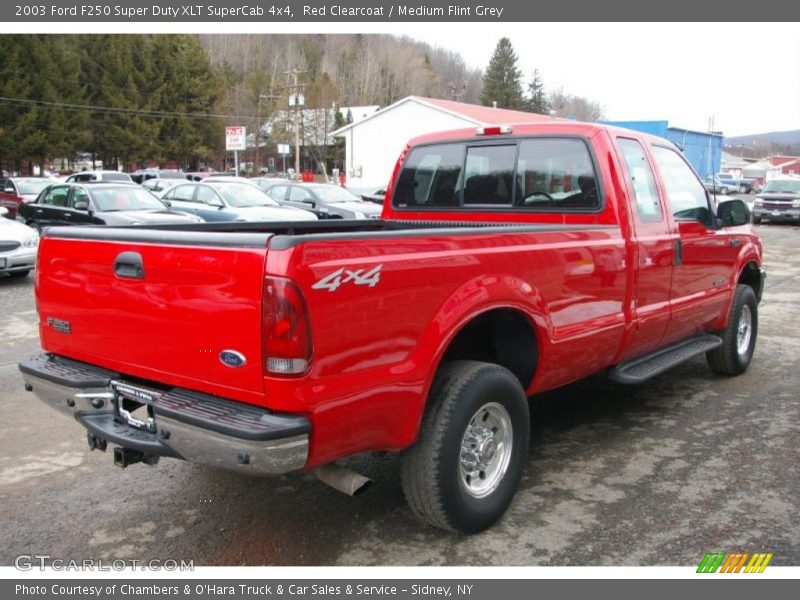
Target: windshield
pixel 29 187
pixel 787 187
pixel 111 199
pixel 242 194
pixel 333 194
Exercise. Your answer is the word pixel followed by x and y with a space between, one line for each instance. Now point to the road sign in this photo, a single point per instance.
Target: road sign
pixel 235 138
pixel 283 149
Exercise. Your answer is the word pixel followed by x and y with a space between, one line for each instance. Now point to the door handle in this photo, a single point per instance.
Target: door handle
pixel 129 265
pixel 678 253
pixel 735 242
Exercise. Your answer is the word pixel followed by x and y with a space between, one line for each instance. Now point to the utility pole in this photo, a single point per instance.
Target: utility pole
pixel 261 97
pixel 297 100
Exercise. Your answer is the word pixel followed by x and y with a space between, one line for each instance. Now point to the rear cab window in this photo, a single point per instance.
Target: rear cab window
pixel 528 174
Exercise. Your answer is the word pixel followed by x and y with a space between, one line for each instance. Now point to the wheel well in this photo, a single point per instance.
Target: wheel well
pixel 500 336
pixel 751 276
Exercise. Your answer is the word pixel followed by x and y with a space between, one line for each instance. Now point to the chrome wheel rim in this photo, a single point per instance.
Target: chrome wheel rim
pixel 485 450
pixel 744 331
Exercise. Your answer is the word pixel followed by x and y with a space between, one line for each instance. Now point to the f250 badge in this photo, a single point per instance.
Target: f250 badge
pixel 338 278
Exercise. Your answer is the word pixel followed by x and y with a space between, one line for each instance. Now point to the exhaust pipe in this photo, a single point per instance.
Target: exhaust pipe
pixel 342 479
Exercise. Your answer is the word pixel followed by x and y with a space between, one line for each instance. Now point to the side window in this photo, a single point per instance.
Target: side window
pixel 298 194
pixel 57 196
pixel 277 192
pixel 182 192
pixel 686 195
pixel 556 175
pixel 206 195
pixel 431 177
pixel 488 175
pixel 642 180
pixel 78 195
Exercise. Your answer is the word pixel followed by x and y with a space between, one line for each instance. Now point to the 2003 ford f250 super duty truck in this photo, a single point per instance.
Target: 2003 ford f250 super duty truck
pixel 508 261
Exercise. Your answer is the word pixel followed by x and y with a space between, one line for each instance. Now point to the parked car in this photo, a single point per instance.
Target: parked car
pixel 200 175
pixel 739 185
pixel 778 200
pixel 143 175
pixel 158 187
pixel 377 196
pixel 230 201
pixel 267 182
pixel 16 190
pixel 716 186
pixel 325 200
pixel 18 245
pixel 98 204
pixel 84 176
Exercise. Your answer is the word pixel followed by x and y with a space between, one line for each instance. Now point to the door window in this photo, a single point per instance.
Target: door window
pixel 642 180
pixel 56 196
pixel 78 195
pixel 686 195
pixel 298 194
pixel 207 195
pixel 183 193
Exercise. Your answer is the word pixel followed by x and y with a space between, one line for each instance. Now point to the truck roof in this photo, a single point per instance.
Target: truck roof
pixel 560 127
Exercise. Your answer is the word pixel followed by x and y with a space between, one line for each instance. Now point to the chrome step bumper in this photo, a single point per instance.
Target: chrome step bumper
pixel 178 423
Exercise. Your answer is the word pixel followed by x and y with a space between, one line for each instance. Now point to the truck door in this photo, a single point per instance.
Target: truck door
pixel 655 253
pixel 704 257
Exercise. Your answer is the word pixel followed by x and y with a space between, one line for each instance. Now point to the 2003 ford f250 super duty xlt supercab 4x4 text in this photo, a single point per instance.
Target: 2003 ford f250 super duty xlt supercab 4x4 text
pixel 508 261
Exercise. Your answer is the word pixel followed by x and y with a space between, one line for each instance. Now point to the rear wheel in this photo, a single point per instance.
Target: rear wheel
pixel 464 470
pixel 739 336
pixel 743 189
pixel 756 220
pixel 724 190
pixel 34 225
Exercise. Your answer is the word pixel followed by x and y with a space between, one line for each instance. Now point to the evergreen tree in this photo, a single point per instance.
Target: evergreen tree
pixel 537 101
pixel 501 82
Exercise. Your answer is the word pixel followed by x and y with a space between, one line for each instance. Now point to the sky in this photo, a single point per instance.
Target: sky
pixel 744 75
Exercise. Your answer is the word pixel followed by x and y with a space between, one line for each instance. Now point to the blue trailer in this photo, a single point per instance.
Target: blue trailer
pixel 702 149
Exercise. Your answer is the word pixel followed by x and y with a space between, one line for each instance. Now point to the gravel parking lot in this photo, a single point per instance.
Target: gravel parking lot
pixel 651 475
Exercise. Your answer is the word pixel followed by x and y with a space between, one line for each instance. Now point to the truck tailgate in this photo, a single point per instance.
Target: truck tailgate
pixel 197 295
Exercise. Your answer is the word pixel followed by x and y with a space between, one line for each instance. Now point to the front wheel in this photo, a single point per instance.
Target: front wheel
pixel 466 465
pixel 723 190
pixel 756 220
pixel 739 336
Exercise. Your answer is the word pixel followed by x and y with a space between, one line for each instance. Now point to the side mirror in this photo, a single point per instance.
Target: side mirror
pixel 82 205
pixel 733 213
pixel 167 203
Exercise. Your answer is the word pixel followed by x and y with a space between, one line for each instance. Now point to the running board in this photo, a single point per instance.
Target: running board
pixel 647 366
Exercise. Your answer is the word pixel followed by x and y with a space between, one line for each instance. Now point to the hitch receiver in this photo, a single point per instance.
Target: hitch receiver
pixel 124 457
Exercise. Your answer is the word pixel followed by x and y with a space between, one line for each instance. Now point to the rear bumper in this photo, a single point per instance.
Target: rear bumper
pixel 183 424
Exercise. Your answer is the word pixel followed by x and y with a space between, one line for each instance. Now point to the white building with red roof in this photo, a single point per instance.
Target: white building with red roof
pixel 374 143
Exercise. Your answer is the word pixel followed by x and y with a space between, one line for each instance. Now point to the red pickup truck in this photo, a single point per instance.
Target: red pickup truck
pixel 508 261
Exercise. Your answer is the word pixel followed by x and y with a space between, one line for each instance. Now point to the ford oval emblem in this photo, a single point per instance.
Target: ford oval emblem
pixel 232 358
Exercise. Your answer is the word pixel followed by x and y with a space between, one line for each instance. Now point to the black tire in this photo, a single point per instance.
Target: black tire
pixel 756 220
pixel 743 189
pixel 35 225
pixel 729 358
pixel 19 274
pixel 724 190
pixel 434 477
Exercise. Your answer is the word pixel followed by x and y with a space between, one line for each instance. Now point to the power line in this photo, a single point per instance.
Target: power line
pixel 114 110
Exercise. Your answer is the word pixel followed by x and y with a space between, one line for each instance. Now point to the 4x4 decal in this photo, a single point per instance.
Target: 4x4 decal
pixel 342 276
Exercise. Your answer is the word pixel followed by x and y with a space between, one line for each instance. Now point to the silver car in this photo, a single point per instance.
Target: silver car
pixel 18 244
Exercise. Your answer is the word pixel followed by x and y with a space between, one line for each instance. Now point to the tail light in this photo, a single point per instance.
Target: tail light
pixel 286 331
